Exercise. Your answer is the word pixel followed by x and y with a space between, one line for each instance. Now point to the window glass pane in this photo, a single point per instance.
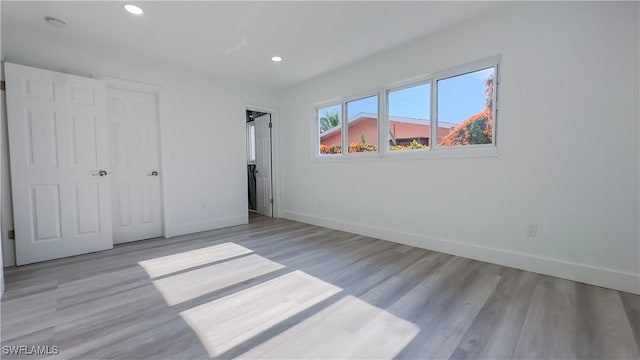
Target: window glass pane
pixel 362 128
pixel 409 113
pixel 330 129
pixel 465 109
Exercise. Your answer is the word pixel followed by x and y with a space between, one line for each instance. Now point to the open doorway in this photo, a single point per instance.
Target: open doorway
pixel 259 163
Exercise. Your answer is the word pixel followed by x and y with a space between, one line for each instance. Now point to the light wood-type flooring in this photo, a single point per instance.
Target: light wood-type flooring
pixel 286 290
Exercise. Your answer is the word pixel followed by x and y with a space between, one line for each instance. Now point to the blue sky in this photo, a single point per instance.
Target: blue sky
pixel 415 103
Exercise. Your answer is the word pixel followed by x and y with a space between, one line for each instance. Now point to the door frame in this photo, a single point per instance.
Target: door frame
pixel 155 90
pixel 275 152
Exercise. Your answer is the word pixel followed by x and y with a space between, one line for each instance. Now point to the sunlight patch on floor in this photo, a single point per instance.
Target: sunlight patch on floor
pixel 190 285
pixel 227 322
pixel 348 329
pixel 186 260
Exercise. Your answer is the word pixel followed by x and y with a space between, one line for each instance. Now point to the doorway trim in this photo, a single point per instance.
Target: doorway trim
pixel 155 90
pixel 275 152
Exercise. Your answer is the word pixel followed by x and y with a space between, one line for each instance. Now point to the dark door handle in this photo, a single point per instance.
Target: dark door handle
pixel 153 173
pixel 100 173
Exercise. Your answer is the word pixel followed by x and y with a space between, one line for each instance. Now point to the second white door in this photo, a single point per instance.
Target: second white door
pixel 135 163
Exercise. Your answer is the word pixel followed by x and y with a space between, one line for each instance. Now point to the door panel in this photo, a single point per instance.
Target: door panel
pixel 45 202
pixel 84 96
pixel 42 141
pixel 134 150
pixel 41 89
pixel 58 142
pixel 87 214
pixel 263 165
pixel 85 149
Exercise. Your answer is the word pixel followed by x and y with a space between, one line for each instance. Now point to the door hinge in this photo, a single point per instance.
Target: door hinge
pixel 3 85
pixel 11 235
pixel 270 125
pixel 270 201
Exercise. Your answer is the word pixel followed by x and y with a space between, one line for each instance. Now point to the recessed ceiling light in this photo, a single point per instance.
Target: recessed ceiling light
pixel 276 59
pixel 55 21
pixel 135 10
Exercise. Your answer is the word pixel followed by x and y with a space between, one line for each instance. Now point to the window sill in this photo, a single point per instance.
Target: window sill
pixel 449 153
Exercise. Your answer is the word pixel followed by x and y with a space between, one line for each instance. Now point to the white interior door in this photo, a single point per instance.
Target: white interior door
pixel 135 163
pixel 263 165
pixel 59 164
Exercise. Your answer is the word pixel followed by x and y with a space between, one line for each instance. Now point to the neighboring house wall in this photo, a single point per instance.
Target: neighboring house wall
pixel 332 139
pixel 366 126
pixel 405 130
pixel 369 127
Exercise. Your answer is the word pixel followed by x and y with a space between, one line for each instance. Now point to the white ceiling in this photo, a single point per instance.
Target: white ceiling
pixel 234 41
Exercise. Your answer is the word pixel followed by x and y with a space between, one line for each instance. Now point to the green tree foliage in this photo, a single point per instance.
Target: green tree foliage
pixel 329 121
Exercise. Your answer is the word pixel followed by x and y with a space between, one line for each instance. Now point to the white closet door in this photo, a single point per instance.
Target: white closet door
pixel 135 162
pixel 59 164
pixel 263 165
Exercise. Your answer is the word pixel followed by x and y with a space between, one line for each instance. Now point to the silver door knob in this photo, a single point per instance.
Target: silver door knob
pixel 153 173
pixel 100 173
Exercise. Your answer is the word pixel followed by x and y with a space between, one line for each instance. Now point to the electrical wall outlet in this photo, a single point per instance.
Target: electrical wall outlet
pixel 532 230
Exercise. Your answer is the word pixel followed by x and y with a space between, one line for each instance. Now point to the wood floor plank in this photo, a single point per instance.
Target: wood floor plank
pixel 494 333
pixel 349 329
pixel 192 284
pixel 604 328
pixel 227 322
pixel 28 310
pixel 631 305
pixel 281 289
pixel 188 259
pixel 444 305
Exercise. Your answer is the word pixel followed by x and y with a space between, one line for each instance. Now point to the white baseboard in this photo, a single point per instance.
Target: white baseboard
pixel 588 274
pixel 183 229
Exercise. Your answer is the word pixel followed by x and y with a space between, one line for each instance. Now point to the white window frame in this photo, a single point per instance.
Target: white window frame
pixel 458 71
pixel 433 151
pixel 345 124
pixel 407 84
pixel 316 126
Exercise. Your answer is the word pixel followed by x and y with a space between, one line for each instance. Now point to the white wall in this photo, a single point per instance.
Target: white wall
pixel 568 148
pixel 202 126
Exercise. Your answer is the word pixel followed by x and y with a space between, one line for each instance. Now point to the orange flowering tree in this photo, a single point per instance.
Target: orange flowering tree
pixel 362 147
pixel 478 128
pixel 330 149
